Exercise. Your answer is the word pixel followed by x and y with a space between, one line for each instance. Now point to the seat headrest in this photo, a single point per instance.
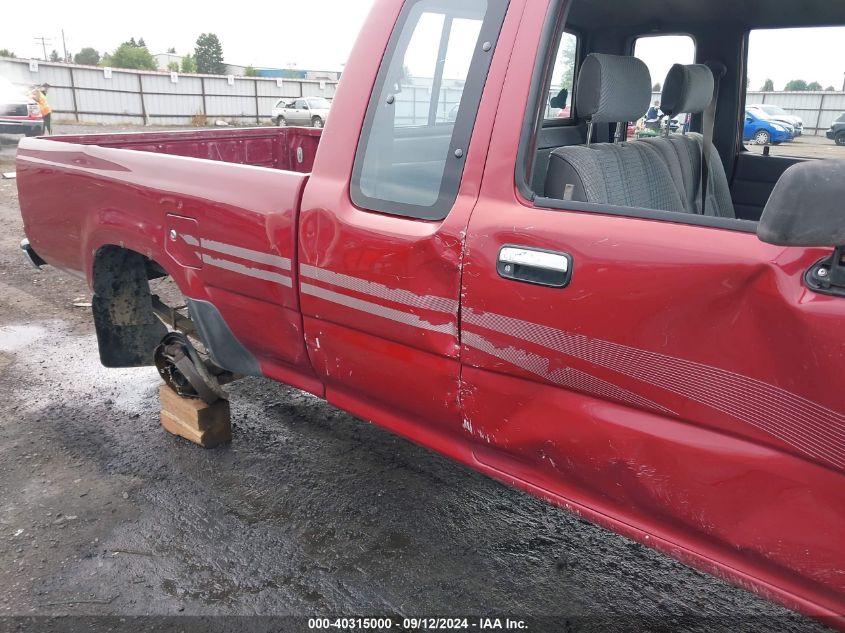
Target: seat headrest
pixel 612 88
pixel 687 89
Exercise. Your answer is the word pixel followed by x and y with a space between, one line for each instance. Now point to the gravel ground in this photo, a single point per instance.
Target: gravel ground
pixel 309 512
pixel 804 147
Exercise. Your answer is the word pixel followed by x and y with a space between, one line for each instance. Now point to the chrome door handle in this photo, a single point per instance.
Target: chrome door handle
pixel 535 266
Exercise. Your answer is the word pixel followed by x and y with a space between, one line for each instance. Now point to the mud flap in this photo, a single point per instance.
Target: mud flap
pixel 127 329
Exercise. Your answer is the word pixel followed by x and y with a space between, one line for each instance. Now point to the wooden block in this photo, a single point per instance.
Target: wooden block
pixel 203 424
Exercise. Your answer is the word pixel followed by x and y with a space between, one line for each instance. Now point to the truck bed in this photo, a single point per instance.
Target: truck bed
pixel 178 198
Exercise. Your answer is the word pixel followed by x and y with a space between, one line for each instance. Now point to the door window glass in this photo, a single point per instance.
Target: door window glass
pixel 422 110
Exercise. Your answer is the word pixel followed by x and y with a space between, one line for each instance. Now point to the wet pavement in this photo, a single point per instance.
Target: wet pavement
pixel 309 512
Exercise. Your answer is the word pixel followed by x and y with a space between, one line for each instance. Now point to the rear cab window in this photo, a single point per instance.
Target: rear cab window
pixel 659 53
pixel 795 93
pixel 422 110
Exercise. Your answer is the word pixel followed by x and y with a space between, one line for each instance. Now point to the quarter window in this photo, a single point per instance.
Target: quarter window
pixel 423 107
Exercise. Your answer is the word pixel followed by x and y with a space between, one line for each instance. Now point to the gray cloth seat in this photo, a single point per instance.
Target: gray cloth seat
pixel 689 89
pixel 682 154
pixel 635 174
pixel 624 175
pixel 659 173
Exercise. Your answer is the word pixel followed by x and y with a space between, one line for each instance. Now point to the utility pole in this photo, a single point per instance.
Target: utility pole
pixel 44 41
pixel 64 46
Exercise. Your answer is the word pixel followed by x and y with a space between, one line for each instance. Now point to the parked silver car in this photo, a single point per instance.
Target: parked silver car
pixel 777 113
pixel 307 111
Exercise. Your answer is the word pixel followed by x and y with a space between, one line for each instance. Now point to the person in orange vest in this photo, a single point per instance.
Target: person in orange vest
pixel 39 93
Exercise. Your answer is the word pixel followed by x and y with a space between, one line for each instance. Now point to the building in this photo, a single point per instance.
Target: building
pixel 163 60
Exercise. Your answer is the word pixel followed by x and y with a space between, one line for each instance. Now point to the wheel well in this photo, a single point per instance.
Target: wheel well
pixel 128 330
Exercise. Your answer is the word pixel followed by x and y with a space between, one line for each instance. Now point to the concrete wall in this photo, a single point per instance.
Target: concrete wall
pixel 83 93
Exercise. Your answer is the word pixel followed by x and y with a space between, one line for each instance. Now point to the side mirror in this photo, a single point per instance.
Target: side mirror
pixel 805 209
pixel 748 119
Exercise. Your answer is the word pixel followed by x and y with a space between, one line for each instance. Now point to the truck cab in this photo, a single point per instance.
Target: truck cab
pixel 648 332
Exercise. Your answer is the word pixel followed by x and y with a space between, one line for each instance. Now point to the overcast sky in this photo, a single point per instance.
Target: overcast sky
pixel 313 34
pixel 318 35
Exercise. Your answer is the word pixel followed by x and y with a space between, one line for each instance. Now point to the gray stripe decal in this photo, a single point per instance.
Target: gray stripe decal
pixel 809 427
pixel 248 254
pixel 257 273
pixel 190 240
pixel 405 318
pixel 568 377
pixel 397 295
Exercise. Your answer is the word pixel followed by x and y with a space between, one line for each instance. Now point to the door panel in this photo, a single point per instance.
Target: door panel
pixel 673 383
pixel 754 179
pixel 684 388
pixel 380 291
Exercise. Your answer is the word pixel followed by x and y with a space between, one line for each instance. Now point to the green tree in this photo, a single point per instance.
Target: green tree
pixel 171 50
pixel 132 42
pixel 189 64
pixel 209 55
pixel 566 60
pixel 815 85
pixel 796 85
pixel 54 56
pixel 142 43
pixel 87 56
pixel 249 71
pixel 768 86
pixel 657 87
pixel 128 56
pixel 830 89
pixel 173 67
pixel 5 52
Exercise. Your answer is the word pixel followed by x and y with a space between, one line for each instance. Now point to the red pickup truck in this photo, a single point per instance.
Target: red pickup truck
pixel 650 333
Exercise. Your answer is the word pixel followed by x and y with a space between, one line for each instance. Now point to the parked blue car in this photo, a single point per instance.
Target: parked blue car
pixel 765 131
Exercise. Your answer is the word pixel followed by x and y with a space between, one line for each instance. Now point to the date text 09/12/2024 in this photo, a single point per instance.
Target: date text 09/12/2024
pixel 417 624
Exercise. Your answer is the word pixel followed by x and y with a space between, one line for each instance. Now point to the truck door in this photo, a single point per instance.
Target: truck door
pixel 380 247
pixel 668 374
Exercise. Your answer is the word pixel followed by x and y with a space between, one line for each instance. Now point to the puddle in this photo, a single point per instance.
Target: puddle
pixel 16 337
pixel 73 362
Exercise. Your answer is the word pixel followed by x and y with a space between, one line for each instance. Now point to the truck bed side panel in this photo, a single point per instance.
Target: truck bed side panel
pixel 224 232
pixel 290 149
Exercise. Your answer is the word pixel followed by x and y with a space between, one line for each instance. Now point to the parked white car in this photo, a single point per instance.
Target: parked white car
pixel 777 113
pixel 306 112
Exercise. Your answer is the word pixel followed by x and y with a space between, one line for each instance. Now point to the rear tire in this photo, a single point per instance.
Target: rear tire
pixel 317 122
pixel 281 122
pixel 840 139
pixel 762 138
